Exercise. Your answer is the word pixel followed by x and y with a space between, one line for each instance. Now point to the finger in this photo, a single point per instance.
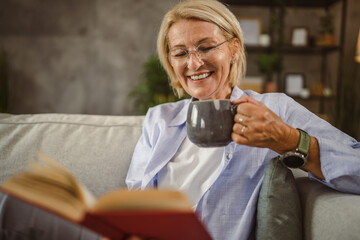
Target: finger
pixel 250 109
pixel 246 99
pixel 243 99
pixel 133 237
pixel 247 109
pixel 239 139
pixel 241 118
pixel 252 100
pixel 240 129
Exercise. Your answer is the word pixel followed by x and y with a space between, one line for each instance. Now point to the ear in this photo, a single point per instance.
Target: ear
pixel 235 48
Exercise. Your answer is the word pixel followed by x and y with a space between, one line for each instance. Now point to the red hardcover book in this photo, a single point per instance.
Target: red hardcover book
pixel 153 225
pixel 157 214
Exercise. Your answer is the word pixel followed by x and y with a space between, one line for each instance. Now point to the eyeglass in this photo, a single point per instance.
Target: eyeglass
pixel 202 51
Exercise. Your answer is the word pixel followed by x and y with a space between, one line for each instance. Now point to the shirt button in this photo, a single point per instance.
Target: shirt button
pixel 229 156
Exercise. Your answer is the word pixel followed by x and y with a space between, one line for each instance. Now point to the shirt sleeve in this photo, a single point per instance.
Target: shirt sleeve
pixel 140 157
pixel 339 153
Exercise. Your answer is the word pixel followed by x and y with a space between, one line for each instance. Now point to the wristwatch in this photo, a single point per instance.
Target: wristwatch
pixel 298 158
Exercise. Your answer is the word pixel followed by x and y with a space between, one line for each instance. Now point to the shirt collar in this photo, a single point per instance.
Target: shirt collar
pixel 180 118
pixel 236 93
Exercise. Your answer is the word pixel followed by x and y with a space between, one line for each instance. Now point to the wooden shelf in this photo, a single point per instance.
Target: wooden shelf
pixel 315 98
pixel 290 3
pixel 304 52
pixel 295 50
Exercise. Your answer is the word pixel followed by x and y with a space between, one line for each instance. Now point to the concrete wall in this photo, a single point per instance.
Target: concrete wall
pixel 82 56
pixel 85 56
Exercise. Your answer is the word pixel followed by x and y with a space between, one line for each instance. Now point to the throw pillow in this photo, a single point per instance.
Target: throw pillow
pixel 279 208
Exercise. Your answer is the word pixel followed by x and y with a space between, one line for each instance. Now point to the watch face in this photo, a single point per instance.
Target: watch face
pixel 294 160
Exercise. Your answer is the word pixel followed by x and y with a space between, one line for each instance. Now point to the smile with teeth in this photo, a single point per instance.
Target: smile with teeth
pixel 201 76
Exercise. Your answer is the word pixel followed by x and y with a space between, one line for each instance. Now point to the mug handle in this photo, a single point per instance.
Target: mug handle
pixel 234 108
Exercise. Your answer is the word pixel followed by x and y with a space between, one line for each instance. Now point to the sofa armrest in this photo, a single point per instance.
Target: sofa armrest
pixel 328 214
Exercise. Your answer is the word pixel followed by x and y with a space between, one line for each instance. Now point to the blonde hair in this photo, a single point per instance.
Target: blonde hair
pixel 205 10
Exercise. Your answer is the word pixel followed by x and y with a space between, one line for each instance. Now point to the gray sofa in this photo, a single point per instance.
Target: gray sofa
pixel 98 149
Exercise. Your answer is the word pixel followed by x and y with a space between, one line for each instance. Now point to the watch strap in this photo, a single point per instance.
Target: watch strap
pixel 304 142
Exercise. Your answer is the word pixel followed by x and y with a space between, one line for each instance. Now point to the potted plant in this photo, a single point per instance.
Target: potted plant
pixel 326 35
pixel 153 87
pixel 270 65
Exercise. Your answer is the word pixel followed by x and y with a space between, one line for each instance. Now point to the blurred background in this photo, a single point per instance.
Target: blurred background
pixel 98 56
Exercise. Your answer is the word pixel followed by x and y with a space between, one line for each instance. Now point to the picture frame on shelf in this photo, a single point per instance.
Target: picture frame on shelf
pixel 299 37
pixel 294 84
pixel 251 28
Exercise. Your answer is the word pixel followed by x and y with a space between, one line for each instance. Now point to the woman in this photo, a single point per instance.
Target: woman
pixel 200 45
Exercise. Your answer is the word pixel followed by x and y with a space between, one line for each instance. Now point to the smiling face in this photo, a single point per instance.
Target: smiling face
pixel 207 77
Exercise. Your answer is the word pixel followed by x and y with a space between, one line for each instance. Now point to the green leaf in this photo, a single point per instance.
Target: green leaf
pixel 153 87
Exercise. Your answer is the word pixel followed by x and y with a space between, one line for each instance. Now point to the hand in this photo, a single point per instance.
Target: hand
pixel 256 125
pixel 134 238
pixel 127 238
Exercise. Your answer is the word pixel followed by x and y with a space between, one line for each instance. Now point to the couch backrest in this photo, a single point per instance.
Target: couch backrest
pixel 96 149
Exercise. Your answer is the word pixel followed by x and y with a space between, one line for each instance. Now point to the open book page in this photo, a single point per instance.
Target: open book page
pixel 161 214
pixel 50 185
pixel 79 191
pixel 146 200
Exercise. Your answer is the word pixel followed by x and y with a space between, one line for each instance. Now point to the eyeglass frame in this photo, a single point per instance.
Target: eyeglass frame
pixel 188 52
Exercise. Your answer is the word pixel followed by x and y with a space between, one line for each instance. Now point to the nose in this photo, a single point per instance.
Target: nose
pixel 194 61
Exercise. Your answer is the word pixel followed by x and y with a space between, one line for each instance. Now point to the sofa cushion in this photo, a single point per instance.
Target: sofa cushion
pixel 327 213
pixel 279 209
pixel 96 149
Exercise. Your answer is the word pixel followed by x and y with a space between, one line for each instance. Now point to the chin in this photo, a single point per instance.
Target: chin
pixel 203 96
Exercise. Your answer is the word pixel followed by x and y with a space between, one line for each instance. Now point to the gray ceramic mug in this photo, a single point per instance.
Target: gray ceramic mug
pixel 209 123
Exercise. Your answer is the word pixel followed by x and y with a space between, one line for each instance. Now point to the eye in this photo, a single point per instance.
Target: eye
pixel 206 47
pixel 178 53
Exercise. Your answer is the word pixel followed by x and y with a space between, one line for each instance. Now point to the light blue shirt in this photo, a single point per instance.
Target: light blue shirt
pixel 228 208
